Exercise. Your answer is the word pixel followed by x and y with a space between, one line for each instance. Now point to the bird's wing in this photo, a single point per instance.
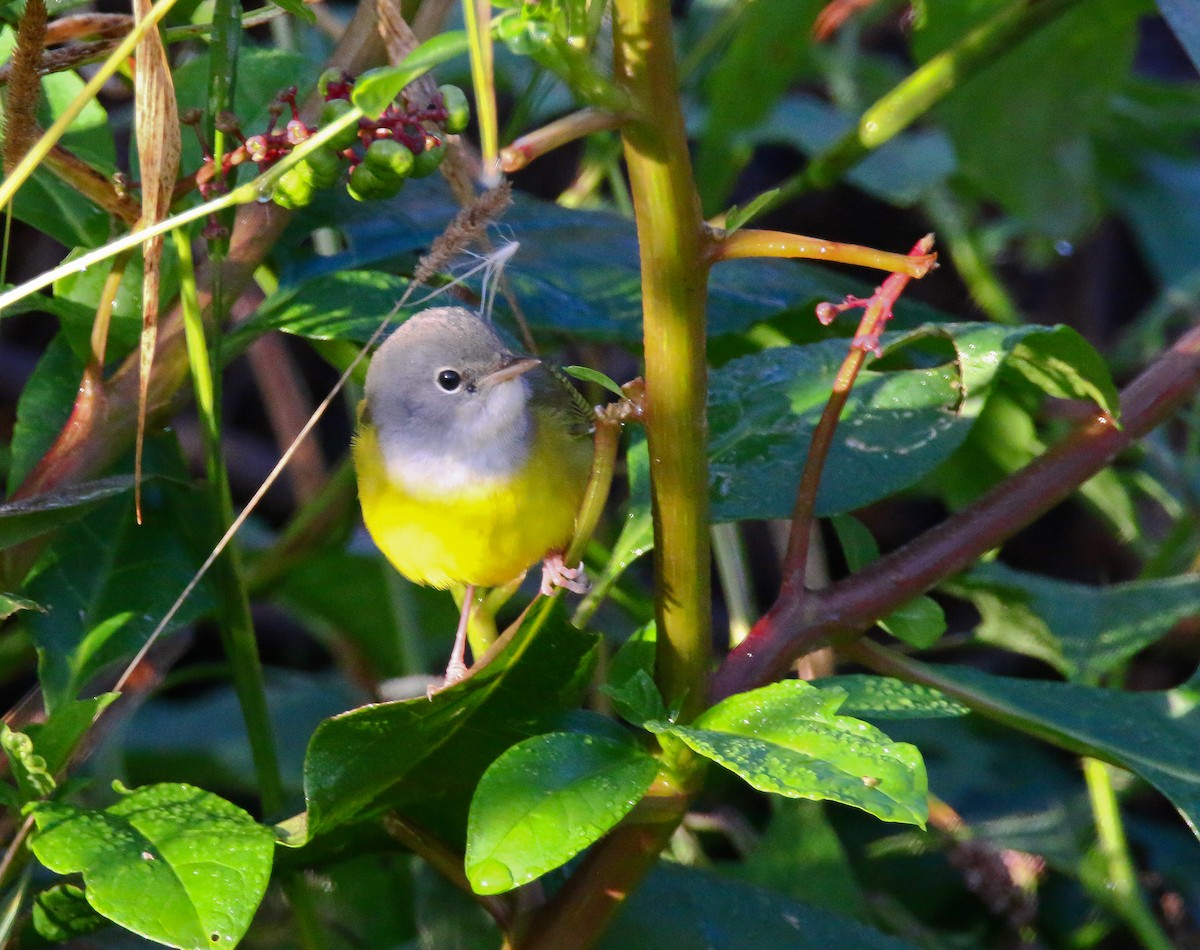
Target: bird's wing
pixel 562 396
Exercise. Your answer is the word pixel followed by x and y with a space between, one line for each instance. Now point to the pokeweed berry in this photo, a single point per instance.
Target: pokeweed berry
pixel 458 111
pixel 389 159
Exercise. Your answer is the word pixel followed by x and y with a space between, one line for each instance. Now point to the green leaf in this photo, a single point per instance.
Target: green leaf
pixel 30 517
pixel 637 699
pixel 787 738
pixel 884 697
pixel 1069 67
pixel 394 752
pixel 763 58
pixel 921 621
pixel 578 272
pixel 1063 364
pixel 172 863
pixel 736 218
pixel 896 427
pixel 1082 631
pixel 589 375
pixel 635 655
pixel 55 739
pixel 377 88
pixel 61 913
pixel 107 582
pixel 545 800
pixel 297 8
pixel 681 908
pixel 10 604
pixel 347 305
pixel 801 856
pixel 34 780
pixel 1106 723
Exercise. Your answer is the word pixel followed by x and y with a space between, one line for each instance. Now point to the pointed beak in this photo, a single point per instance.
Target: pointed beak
pixel 511 370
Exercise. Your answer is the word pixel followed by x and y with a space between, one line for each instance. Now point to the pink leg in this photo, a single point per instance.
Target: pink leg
pixel 556 574
pixel 456 669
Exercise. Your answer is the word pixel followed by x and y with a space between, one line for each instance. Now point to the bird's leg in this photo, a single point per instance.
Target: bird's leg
pixel 456 669
pixel 556 574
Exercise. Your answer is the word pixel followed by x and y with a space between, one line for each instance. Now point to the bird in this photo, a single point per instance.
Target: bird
pixel 472 460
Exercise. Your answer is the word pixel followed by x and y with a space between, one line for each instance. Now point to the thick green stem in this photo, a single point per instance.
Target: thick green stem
pixel 237 627
pixel 1119 889
pixel 674 291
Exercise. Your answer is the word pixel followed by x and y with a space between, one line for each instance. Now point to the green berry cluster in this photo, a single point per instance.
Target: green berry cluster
pixel 406 141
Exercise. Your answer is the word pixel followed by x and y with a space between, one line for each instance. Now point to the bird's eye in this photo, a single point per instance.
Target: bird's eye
pixel 449 379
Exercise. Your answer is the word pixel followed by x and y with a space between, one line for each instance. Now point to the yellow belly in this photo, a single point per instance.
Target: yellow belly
pixel 485 536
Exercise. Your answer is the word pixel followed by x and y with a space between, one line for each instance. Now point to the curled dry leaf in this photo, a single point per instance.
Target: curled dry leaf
pixel 156 116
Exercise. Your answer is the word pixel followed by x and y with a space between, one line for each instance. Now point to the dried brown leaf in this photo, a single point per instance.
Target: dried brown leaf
pixel 156 118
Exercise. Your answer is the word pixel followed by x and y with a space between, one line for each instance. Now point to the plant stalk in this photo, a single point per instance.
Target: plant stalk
pixel 672 244
pixel 1119 891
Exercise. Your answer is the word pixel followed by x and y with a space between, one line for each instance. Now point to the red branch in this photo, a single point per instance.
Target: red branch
pixel 797 624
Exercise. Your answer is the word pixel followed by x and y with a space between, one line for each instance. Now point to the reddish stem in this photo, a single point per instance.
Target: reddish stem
pixel 796 625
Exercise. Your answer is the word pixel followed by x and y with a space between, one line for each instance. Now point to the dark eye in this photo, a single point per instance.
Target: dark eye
pixel 449 379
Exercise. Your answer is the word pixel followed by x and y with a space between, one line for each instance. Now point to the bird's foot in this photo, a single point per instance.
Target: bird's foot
pixel 455 673
pixel 556 574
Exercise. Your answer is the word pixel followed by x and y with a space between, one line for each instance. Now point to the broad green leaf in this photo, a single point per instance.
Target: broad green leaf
pixel 30 517
pixel 61 913
pixel 681 908
pixel 1082 631
pixel 34 780
pixel 201 738
pixel 1063 364
pixel 884 697
pixel 77 297
pixel 393 752
pixel 577 272
pixel 1106 723
pixel 545 800
pixel 800 856
pixel 896 427
pixel 107 581
pixel 10 604
pixel 1068 67
pixel 376 89
pixel 787 738
pixel 346 305
pixel 172 863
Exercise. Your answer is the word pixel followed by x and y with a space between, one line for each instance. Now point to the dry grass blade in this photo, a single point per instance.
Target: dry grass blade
pixel 24 85
pixel 156 117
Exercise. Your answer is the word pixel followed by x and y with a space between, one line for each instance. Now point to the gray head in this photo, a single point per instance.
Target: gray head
pixel 449 401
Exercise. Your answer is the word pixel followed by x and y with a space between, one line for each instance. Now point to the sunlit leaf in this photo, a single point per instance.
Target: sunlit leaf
pixel 788 738
pixel 545 800
pixel 172 863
